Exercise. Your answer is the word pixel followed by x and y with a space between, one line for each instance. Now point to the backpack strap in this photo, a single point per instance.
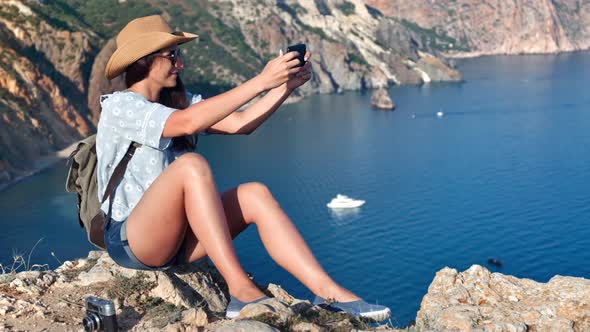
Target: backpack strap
pixel 117 176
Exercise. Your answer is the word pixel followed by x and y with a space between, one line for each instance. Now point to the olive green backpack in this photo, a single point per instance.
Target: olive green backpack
pixel 82 180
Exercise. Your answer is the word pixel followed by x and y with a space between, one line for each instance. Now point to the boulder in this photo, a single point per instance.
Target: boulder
pixel 478 300
pixel 270 307
pixel 380 99
pixel 307 327
pixel 246 326
pixel 192 285
pixel 195 317
pixel 279 293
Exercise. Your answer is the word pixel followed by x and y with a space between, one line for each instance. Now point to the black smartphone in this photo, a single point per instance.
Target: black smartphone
pixel 301 49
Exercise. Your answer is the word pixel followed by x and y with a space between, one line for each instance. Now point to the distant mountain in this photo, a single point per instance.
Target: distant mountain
pixel 477 27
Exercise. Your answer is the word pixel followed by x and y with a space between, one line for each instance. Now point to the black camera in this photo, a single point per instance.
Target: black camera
pixel 301 49
pixel 100 315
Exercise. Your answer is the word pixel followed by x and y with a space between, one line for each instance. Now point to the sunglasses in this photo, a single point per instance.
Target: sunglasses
pixel 173 56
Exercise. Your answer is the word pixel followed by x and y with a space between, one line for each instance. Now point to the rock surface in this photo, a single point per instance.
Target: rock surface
pixel 478 300
pixel 42 108
pixel 191 298
pixel 98 84
pixel 380 99
pixel 471 28
pixel 246 326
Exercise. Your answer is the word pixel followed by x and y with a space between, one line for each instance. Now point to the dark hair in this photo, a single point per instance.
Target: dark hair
pixel 174 97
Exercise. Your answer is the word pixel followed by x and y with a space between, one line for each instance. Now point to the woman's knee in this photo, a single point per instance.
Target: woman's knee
pixel 195 165
pixel 256 193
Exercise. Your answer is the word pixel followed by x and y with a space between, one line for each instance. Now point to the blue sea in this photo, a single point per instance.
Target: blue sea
pixel 503 173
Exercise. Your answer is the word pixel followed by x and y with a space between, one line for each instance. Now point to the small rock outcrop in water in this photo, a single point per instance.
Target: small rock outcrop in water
pixel 380 99
pixel 478 300
pixel 495 262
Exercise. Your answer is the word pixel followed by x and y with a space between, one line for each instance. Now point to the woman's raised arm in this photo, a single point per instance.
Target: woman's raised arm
pixel 200 116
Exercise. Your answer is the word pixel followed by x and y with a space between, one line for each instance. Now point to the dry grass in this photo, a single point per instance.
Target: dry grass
pixel 124 287
pixel 331 321
pixel 20 264
pixel 163 313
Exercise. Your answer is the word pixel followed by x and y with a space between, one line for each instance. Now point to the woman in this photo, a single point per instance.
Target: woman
pixel 166 209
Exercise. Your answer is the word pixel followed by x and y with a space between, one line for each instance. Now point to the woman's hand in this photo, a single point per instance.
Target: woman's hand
pixel 302 76
pixel 278 70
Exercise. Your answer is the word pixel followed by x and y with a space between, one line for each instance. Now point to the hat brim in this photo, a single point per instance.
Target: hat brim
pixel 142 46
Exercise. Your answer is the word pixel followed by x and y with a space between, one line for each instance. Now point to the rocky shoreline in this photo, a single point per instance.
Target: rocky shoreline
pixel 51 160
pixel 473 55
pixel 42 164
pixel 194 297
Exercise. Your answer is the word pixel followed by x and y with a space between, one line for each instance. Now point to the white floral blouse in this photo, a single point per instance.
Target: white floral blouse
pixel 128 117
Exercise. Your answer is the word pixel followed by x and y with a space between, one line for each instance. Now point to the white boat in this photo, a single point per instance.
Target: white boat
pixel 344 202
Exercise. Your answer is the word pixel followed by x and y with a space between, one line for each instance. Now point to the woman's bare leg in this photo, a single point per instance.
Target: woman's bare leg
pixel 184 199
pixel 253 203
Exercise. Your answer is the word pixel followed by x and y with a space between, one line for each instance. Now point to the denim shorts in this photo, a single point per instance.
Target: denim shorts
pixel 115 239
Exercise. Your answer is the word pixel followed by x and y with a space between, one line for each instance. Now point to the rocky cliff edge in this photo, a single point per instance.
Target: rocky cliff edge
pixel 194 298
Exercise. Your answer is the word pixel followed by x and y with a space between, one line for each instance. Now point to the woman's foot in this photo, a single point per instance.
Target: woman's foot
pixel 358 308
pixel 235 306
pixel 337 293
pixel 247 294
pixel 242 297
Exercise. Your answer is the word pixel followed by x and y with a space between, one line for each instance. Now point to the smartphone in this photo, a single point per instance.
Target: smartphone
pixel 301 49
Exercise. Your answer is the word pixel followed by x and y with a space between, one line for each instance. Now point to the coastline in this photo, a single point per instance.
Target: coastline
pixel 51 160
pixel 472 55
pixel 42 164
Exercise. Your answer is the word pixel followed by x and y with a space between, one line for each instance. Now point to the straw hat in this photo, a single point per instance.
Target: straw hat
pixel 141 37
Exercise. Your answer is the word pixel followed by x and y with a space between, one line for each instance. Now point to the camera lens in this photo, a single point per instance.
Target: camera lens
pixel 91 322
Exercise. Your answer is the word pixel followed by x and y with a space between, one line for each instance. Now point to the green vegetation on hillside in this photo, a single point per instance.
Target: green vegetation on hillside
pixel 11 13
pixel 376 13
pixel 58 15
pixel 292 10
pixel 220 51
pixel 221 57
pixel 322 7
pixel 105 17
pixel 355 57
pixel 347 8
